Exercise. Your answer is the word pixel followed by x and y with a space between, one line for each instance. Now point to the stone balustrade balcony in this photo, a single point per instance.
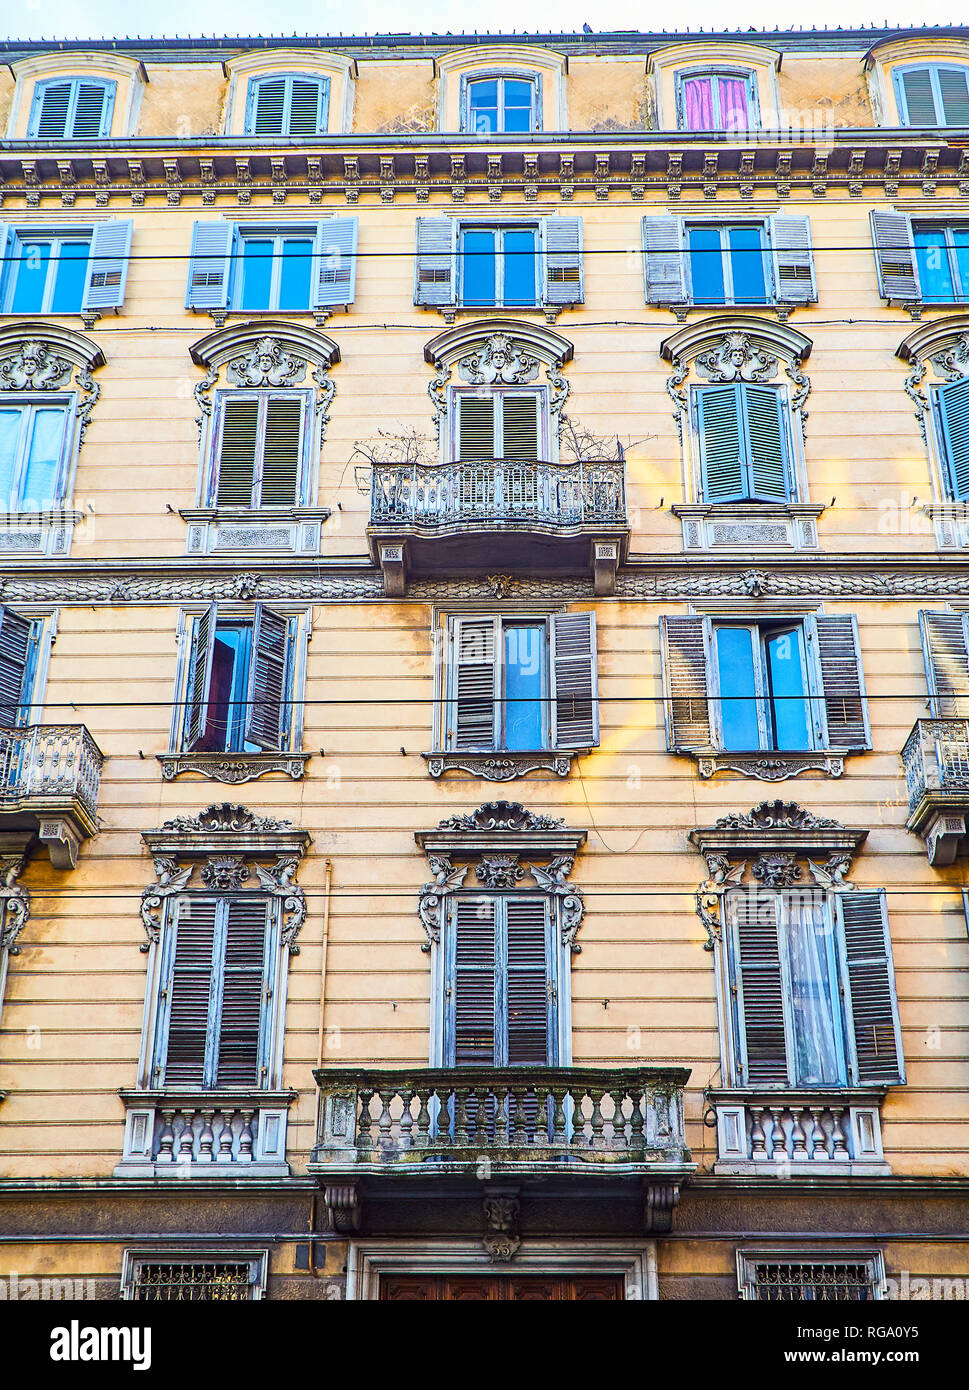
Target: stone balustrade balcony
pixel 936 761
pixel 799 1133
pixel 49 781
pixel 205 1133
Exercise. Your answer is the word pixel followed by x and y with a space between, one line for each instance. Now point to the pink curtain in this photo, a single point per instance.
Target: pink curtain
pixel 733 103
pixel 698 103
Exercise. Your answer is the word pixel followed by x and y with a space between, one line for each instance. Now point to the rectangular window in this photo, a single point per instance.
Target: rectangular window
pixel 239 681
pixel 73 108
pixel 257 269
pixel 33 454
pixel 744 443
pixel 504 424
pixel 294 104
pixel 261 445
pixel 716 101
pixel 194 1276
pixel 728 264
pixel 764 690
pixel 942 258
pixel 501 105
pixel 932 95
pixel 498 266
pixel 809 1277
pixel 46 274
pixel 274 271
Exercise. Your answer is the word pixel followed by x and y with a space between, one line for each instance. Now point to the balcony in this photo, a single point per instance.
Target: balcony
pixel 495 516
pixel 205 1134
pixel 799 1133
pixel 936 760
pixel 49 780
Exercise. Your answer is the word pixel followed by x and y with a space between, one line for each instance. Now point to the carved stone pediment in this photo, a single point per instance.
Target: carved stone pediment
pixel 942 346
pixel 736 358
pixel 48 357
pixel 266 363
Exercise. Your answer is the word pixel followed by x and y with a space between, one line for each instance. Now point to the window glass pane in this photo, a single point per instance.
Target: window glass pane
pixel 483 101
pixel 478 267
pixel 69 277
pixel 257 271
pixel 733 103
pixel 524 662
pixel 44 457
pixel 294 280
pixel 225 723
pixel 785 673
pixel 706 265
pixel 932 257
pixel 28 295
pixel 816 1020
pixel 698 104
pixel 11 423
pixel 747 265
pixel 518 106
pixel 735 665
pixel 519 266
pixel 960 241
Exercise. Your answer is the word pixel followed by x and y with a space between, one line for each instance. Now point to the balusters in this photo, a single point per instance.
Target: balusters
pixel 406 1118
pixel 758 1142
pixel 637 1120
pixel 225 1138
pixel 206 1138
pixel 385 1121
pixel 460 1116
pixel 246 1138
pixel 778 1141
pixel 838 1135
pixel 166 1138
pixel 799 1151
pixel 618 1121
pixel 364 1138
pixel 422 1134
pixel 186 1140
pixel 502 1103
pixel 598 1119
pixel 541 1119
pixel 819 1140
pixel 559 1118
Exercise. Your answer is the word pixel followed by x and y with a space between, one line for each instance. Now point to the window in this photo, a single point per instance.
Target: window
pixel 942 258
pixel 287 105
pixel 932 95
pixel 762 676
pixel 501 105
pixel 73 108
pixel 194 1277
pixel 521 684
pixel 811 989
pixel 945 644
pixel 265 267
pixel 262 442
pixel 727 263
pixel 745 444
pixel 239 682
pixel 19 646
pixel 496 265
pixel 500 424
pixel 716 101
pixel 34 439
pixel 63 271
pixel 809 1277
pixel 753 261
pixel 951 412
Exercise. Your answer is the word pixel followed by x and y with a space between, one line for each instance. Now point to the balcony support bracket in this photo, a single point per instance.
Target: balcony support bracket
pixel 501 1208
pixel 344 1207
pixel 393 562
pixel 62 842
pixel 659 1203
pixel 605 563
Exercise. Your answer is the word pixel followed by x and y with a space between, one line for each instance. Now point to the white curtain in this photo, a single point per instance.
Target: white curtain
pixel 814 995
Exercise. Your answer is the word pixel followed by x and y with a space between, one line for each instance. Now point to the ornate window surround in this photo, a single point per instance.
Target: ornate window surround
pixel 267 353
pixel 341 71
pixel 885 56
pixel 129 73
pixel 694 59
pixel 501 60
pixel 726 348
pixel 938 350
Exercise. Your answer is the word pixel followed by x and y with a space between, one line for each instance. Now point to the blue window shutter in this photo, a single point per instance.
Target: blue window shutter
pixel 200 677
pixel 664 260
pixel 564 280
pixel 685 643
pixel 473 679
pixel 308 102
pixel 918 99
pixel 266 698
pixel 436 261
pixel 107 267
pixel 871 1003
pixel 244 987
pixel 952 402
pixel 210 265
pixel 267 100
pixel 954 89
pixel 528 999
pixel 15 651
pixel 793 260
pixel 575 696
pixel 758 985
pixel 765 418
pixel 720 430
pixel 845 703
pixel 895 264
pixel 946 651
pixel 472 982
pixel 93 110
pixel 50 110
pixel 335 262
pixel 185 1032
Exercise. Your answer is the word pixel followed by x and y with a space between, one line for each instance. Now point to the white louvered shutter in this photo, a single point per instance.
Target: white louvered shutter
pixel 267 678
pixel 793 260
pixel 237 451
pixel 685 697
pixel 190 992
pixel 575 695
pixel 952 402
pixel 563 260
pixel 245 987
pixel 664 260
pixel 898 275
pixel 919 97
pixel 210 264
pixel 107 267
pixel 48 119
pixel 765 413
pixel 474 683
pixel 473 982
pixel 335 262
pixel 759 988
pixel 954 86
pixel 519 427
pixel 843 683
pixel 15 632
pixel 282 451
pixel 867 961
pixel 527 986
pixel 475 427
pixel 722 466
pixel 436 261
pixel 200 677
pixel 946 663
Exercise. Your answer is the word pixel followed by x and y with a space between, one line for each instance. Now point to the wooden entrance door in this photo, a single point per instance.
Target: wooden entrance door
pixel 501 1288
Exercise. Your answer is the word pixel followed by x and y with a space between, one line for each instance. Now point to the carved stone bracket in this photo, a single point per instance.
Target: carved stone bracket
pixel 42 357
pixel 659 1203
pixel 14 901
pixel 777 768
pixel 233 768
pixel 500 767
pixel 342 1202
pixel 501 1208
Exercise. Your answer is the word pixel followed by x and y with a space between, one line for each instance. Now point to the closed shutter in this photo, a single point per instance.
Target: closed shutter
pixel 473 981
pixel 664 260
pixel 237 451
pixel 15 634
pixel 765 413
pixel 575 696
pixel 475 684
pixel 563 260
pixel 685 683
pixel 107 267
pixel 209 265
pixel 759 989
pixel 4 238
pixel 92 114
pixel 267 99
pixel 475 427
pixel 946 663
pixel 952 402
pixel 335 262
pixel 281 454
pixel 919 97
pixel 898 276
pixel 436 269
pixel 954 87
pixel 842 681
pixel 307 108
pixel 793 259
pixel 722 470
pixel 190 989
pixel 244 988
pixel 867 961
pixel 267 678
pixel 48 118
pixel 519 428
pixel 527 986
pixel 200 677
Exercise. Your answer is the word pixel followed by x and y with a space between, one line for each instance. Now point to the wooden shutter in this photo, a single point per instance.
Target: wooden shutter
pixel 475 427
pixel 527 985
pixel 48 119
pixel 267 98
pixel 575 694
pixel 281 453
pixel 107 267
pixel 473 982
pixel 307 106
pixel 793 260
pixel 664 260
pixel 765 412
pixel 335 261
pixel 92 114
pixel 519 428
pixel 563 260
pixel 475 684
pixel 244 988
pixel 722 470
pixel 952 402
pixel 436 261
pixel 209 265
pixel 685 698
pixel 15 632
pixel 898 275
pixel 200 677
pixel 919 97
pixel 842 681
pixel 237 451
pixel 867 962
pixel 190 989
pixel 946 663
pixel 759 989
pixel 267 678
pixel 954 86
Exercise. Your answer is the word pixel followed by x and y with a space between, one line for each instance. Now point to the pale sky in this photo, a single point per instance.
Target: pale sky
pixel 71 19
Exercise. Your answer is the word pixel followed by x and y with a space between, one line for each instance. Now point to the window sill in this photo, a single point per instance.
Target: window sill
pixel 822 1132
pixel 195 1133
pixel 277 530
pixel 232 767
pixel 38 533
pixel 319 316
pixel 450 312
pixel 768 765
pixel 950 520
pixel 783 309
pixel 500 766
pixel 744 525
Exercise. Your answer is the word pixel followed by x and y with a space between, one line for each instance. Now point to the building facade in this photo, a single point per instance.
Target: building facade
pixel 485 691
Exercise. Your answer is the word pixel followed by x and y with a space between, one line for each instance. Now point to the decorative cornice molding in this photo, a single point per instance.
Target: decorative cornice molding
pixel 37 356
pixel 470 341
pixel 232 768
pixel 762 336
pixel 500 767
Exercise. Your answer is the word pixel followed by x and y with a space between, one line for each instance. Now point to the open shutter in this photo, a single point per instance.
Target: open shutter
pixel 759 989
pixel 519 428
pixel 267 679
pixel 237 451
pixel 898 275
pixel 48 115
pixel 867 962
pixel 436 271
pixel 475 427
pixel 919 97
pixel 92 114
pixel 200 677
pixel 563 260
pixel 722 472
pixel 765 412
pixel 107 267
pixel 282 451
pixel 527 985
pixel 842 681
pixel 267 98
pixel 475 684
pixel 472 1002
pixel 244 988
pixel 664 260
pixel 14 657
pixel 190 992
pixel 952 402
pixel 946 663
pixel 685 683
pixel 209 265
pixel 954 86
pixel 575 694
pixel 793 259
pixel 335 259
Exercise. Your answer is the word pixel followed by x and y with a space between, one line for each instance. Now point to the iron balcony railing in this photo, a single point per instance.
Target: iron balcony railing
pixel 936 759
pixel 46 765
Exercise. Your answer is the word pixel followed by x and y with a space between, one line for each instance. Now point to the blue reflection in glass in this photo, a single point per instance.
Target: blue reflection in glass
pixel 524 670
pixel 519 264
pixel 960 241
pixel 785 673
pixel 257 273
pixel 483 107
pixel 932 258
pixel 294 277
pixel 747 265
pixel 478 267
pixel 738 688
pixel 70 276
pixel 28 295
pixel 518 106
pixel 706 265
